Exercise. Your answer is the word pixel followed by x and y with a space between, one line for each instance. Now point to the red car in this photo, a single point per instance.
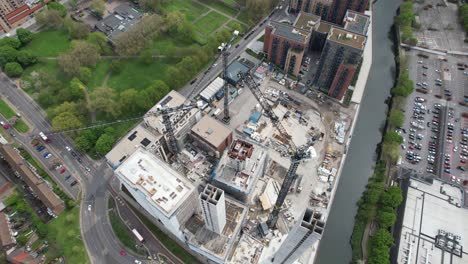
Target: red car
pixel 62 170
pixel 122 253
pixel 36 143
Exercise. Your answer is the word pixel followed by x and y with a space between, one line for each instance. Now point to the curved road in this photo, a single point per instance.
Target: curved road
pixel 100 241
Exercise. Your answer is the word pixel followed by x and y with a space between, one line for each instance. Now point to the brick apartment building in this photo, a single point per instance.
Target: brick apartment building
pixel 329 10
pixel 14 13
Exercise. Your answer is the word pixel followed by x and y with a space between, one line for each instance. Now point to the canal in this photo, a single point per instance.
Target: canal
pixel 335 246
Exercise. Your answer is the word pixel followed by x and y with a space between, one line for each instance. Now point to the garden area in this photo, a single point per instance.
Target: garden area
pixel 7 112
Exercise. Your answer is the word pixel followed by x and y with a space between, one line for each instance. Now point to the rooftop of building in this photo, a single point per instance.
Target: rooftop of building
pixel 240 165
pixel 234 69
pixel 290 32
pixel 172 99
pixel 248 250
pixel 432 223
pixel 137 137
pixel 5 235
pixel 347 38
pixel 219 245
pixel 211 194
pixel 165 188
pixel 356 22
pixel 306 21
pixel 324 27
pixel 123 18
pixel 211 130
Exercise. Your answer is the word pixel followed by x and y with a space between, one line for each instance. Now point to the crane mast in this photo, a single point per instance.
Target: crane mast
pixel 298 153
pixel 224 49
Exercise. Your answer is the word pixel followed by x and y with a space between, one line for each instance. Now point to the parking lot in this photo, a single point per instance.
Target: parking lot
pixel 436 130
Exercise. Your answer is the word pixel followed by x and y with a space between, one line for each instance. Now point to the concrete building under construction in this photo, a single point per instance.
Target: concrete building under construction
pixel 213 207
pixel 240 167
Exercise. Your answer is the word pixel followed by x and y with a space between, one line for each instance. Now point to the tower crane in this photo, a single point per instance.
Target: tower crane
pixel 224 50
pixel 297 153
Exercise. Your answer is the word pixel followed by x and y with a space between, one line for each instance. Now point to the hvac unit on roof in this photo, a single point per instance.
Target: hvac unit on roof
pixel 349 35
pixel 119 17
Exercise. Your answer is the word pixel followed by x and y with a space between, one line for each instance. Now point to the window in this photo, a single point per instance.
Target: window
pixel 145 142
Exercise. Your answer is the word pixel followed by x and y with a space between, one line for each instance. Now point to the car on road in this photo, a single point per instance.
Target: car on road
pixel 79 160
pixel 89 207
pixel 36 143
pixel 62 170
pixel 40 148
pixel 74 153
pixel 122 253
pixel 45 154
pixel 67 177
pixel 4 125
pixel 73 183
pixel 68 148
pixel 48 156
pixel 87 169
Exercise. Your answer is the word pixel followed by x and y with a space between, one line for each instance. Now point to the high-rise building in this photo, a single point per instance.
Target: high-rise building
pixel 213 207
pixel 285 44
pixel 339 60
pixel 306 233
pixel 320 8
pixel 339 8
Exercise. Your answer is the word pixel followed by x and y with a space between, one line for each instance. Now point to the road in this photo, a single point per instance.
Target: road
pixel 101 244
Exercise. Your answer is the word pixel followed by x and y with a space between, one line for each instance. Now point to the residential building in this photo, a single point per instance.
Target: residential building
pixel 285 45
pixel 339 60
pixel 304 234
pixel 320 8
pixel 213 207
pixel 38 185
pixel 182 121
pixel 163 192
pixel 14 13
pixel 211 135
pixel 239 168
pixel 339 8
pixel 6 240
pixel 123 18
pixel 356 22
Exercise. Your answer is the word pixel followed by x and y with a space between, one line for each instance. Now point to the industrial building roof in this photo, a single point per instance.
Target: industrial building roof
pixel 347 38
pixel 290 32
pixel 233 71
pixel 122 20
pixel 211 130
pixel 165 188
pixel 356 22
pixel 209 92
pixel 240 166
pixel 432 228
pixel 5 236
pixel 306 21
pixel 219 245
pixel 137 137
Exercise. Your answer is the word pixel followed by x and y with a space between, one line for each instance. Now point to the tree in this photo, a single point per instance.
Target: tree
pixel 173 20
pixel 115 66
pixel 104 144
pixel 463 16
pixel 98 7
pixel 70 107
pixel 386 219
pixel 396 118
pixel 66 120
pixel 390 151
pixel 103 99
pixel 146 57
pixel 76 30
pixel 157 90
pixel 69 64
pixel 373 192
pixel 25 58
pixel 84 142
pixel 85 53
pixel 85 74
pixel 140 36
pixel 392 197
pixel 77 89
pixel 13 69
pixel 129 100
pixel 150 5
pixel 24 36
pixel 393 137
pixel 380 247
pixel 50 18
pixel 99 40
pixel 10 42
pixel 62 10
pixel 174 82
pixel 7 54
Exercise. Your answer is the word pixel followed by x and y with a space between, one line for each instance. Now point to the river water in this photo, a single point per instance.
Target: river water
pixel 335 247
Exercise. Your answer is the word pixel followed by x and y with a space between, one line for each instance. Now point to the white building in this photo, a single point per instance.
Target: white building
pixel 304 234
pixel 160 190
pixel 213 207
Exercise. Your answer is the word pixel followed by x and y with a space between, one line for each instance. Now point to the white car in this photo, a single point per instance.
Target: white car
pixel 48 156
pixel 89 207
pixel 68 148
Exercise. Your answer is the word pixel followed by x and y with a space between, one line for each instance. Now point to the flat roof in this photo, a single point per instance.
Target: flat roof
pixel 219 245
pixel 356 22
pixel 122 20
pixel 289 32
pixel 165 188
pixel 209 92
pixel 433 214
pixel 5 236
pixel 211 130
pixel 347 38
pixel 306 21
pixel 240 165
pixel 139 136
pixel 248 250
pixel 234 69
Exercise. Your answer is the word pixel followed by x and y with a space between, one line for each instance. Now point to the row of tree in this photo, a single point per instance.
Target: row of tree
pixel 463 15
pixel 407 20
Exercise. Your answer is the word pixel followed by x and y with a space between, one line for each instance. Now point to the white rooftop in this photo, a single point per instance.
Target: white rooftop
pixel 428 209
pixel 164 186
pixel 209 92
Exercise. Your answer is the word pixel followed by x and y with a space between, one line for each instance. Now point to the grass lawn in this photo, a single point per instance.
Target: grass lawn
pixel 65 232
pixel 220 7
pixel 210 23
pixel 99 73
pixel 48 43
pixel 135 74
pixel 165 45
pixel 191 9
pixel 170 244
pixel 231 3
pixel 8 113
pixel 244 18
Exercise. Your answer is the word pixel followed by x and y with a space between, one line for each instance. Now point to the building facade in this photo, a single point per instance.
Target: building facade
pixel 338 62
pixel 213 207
pixel 306 232
pixel 14 13
pixel 339 8
pixel 211 135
